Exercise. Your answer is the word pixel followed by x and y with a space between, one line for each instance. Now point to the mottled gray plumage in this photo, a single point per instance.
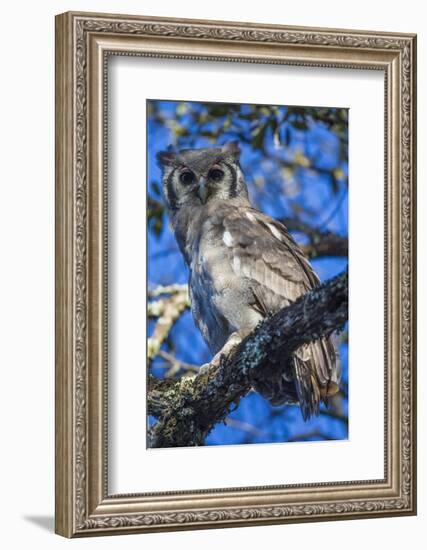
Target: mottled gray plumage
pixel 244 266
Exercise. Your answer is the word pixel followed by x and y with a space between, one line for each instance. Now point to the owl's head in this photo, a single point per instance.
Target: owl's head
pixel 194 177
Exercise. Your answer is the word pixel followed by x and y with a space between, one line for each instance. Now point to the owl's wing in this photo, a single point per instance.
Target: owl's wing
pixel 261 250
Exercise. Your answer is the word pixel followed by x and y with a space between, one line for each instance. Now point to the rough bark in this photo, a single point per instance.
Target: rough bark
pixel 188 409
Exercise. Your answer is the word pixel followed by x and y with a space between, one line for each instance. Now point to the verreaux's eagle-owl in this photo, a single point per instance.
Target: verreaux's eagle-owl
pixel 244 266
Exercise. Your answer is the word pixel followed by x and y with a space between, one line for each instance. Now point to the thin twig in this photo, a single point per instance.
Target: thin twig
pixel 244 426
pixel 176 365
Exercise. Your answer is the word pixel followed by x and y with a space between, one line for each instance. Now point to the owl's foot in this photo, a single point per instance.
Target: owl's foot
pixel 232 343
pixel 216 360
pixel 224 352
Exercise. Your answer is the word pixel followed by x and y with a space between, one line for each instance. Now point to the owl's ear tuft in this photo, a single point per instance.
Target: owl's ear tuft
pixel 166 158
pixel 232 149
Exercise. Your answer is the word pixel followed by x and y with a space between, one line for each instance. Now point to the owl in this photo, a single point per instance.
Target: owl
pixel 244 266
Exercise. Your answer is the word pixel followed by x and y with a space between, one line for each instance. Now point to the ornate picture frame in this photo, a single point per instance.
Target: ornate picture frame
pixel 84 42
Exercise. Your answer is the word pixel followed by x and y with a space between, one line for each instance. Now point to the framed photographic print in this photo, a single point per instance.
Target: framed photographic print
pixel 235 274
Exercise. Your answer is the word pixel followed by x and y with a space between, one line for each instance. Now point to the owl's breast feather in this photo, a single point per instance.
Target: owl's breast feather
pixel 221 299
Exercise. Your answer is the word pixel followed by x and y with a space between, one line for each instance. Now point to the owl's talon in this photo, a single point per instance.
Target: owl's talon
pixel 204 369
pixel 215 362
pixel 216 359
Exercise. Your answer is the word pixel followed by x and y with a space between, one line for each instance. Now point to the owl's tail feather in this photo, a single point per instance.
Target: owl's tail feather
pixel 311 378
pixel 316 375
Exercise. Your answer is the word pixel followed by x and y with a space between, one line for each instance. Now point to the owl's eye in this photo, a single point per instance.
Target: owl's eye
pixel 187 177
pixel 216 174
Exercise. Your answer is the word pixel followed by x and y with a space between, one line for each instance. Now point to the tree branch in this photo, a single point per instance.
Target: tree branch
pixel 189 408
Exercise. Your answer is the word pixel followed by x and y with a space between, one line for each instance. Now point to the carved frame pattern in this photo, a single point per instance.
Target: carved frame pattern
pixel 83 506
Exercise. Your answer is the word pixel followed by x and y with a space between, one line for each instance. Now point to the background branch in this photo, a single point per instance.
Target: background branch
pixel 168 311
pixel 321 241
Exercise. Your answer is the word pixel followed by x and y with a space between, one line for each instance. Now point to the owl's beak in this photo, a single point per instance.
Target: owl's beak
pixel 202 190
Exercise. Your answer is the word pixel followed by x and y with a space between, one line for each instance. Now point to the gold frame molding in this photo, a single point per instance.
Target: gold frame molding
pixel 83 43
